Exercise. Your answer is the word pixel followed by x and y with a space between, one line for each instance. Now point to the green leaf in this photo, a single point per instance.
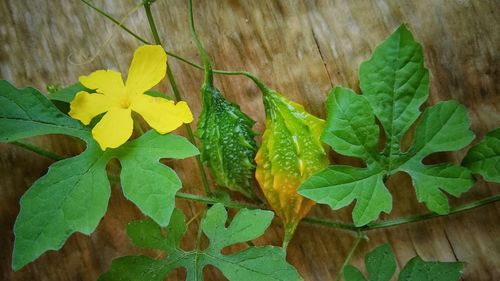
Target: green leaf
pixel 394 83
pixel 68 93
pixel 227 141
pixel 429 182
pixel 418 270
pixel 27 113
pixel 444 127
pixel 380 263
pixel 73 195
pixel 484 157
pixel 351 125
pixel 351 273
pixel 381 266
pixel 338 186
pixel 158 94
pixel 145 181
pixel 253 263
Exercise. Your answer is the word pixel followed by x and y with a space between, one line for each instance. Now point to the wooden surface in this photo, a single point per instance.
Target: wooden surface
pixel 301 48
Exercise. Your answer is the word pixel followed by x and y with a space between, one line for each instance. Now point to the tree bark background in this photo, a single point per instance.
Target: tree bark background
pixel 302 49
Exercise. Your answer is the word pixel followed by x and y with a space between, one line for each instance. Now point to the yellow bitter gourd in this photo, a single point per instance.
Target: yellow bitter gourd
pixel 290 152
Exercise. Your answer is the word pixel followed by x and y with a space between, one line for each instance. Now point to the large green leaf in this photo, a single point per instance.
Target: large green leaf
pixel 253 263
pixel 394 83
pixel 484 158
pixel 73 195
pixel 381 266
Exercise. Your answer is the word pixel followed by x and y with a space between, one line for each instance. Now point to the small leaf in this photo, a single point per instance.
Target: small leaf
pixel 444 127
pixel 380 263
pixel 245 226
pixel 254 263
pixel 140 160
pixel 351 273
pixel 430 180
pixel 484 157
pixel 418 270
pixel 158 94
pixel 381 266
pixel 338 186
pixel 351 125
pixel 68 93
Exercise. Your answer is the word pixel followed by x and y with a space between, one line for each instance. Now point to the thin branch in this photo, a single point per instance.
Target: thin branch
pixel 257 81
pixel 355 245
pixel 177 94
pixel 427 216
pixel 38 150
pixel 115 21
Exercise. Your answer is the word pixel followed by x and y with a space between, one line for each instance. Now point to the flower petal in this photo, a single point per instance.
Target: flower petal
pixel 147 69
pixel 161 114
pixel 86 106
pixel 107 82
pixel 114 129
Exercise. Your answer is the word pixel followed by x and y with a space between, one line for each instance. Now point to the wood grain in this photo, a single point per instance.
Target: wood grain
pixel 302 49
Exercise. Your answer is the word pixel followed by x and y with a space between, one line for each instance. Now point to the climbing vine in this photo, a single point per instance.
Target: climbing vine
pixel 290 165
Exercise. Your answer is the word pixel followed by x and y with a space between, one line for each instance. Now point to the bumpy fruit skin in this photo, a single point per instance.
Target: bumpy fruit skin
pixel 291 151
pixel 227 141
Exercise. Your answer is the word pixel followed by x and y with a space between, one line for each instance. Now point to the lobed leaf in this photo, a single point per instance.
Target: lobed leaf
pixel 253 263
pixel 381 266
pixel 338 186
pixel 73 195
pixel 394 83
pixel 484 158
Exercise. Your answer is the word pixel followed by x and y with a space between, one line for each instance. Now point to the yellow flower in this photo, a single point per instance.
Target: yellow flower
pixel 118 100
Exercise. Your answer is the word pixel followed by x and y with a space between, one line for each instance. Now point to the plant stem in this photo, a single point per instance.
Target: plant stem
pixel 211 200
pixel 115 21
pixel 257 81
pixel 330 223
pixel 151 21
pixel 313 220
pixel 38 150
pixel 430 215
pixel 355 245
pixel 203 53
pixel 177 94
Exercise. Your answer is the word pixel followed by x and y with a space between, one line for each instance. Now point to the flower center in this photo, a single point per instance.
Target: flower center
pixel 125 103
